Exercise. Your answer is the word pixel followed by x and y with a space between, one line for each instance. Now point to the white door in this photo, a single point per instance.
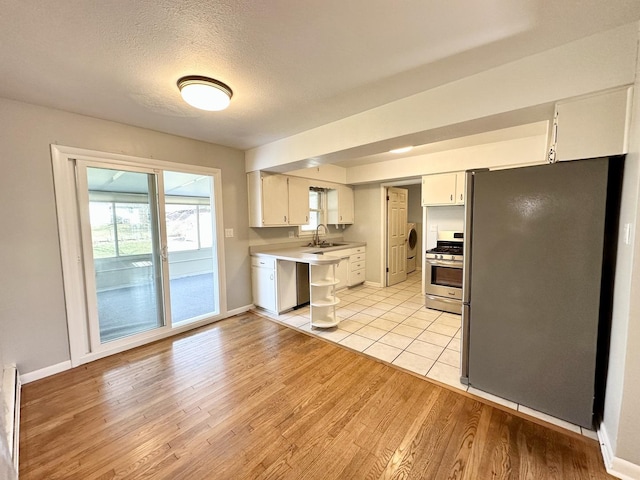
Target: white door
pixel 396 235
pixel 140 252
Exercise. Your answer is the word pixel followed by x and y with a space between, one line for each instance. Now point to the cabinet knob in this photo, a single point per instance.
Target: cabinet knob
pixel 451 198
pixel 460 196
pixel 285 218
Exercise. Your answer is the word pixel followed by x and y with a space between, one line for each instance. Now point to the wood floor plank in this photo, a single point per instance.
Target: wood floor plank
pixel 249 398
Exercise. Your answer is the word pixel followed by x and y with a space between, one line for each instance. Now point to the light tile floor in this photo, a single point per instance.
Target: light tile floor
pixel 393 325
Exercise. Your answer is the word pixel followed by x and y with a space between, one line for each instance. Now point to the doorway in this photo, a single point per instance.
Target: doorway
pixel 146 235
pixel 397 204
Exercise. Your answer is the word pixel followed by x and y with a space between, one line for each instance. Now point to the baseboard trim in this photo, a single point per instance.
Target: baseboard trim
pixel 66 365
pixel 373 284
pixel 618 467
pixel 239 310
pixel 45 372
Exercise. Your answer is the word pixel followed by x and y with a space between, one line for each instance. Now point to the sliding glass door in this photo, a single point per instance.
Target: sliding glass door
pixel 188 201
pixel 125 253
pixel 149 250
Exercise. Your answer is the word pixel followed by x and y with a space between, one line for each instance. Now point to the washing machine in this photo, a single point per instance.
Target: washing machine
pixel 412 247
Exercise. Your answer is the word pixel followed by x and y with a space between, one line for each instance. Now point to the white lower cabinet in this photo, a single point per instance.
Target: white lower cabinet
pixel 356 266
pixel 273 283
pixel 263 283
pixel 342 272
pixel 323 296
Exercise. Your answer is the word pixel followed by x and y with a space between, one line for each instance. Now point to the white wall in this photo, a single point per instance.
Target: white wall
pixel 32 309
pixel 368 228
pixel 325 173
pixel 621 422
pixel 443 218
pixel 508 153
pixel 592 64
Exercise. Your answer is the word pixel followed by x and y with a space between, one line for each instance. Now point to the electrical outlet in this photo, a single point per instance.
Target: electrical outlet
pixel 228 232
pixel 291 234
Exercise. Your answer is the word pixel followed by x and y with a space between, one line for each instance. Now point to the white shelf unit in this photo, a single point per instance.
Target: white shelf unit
pixel 323 302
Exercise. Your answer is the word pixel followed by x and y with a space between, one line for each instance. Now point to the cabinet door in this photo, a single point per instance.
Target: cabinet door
pixel 346 204
pixel 340 205
pixel 342 273
pixel 298 201
pixel 275 203
pixel 439 189
pixel 263 283
pixel 460 188
pixel 594 126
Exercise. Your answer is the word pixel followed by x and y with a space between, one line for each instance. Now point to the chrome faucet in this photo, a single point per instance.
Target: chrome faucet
pixel 316 238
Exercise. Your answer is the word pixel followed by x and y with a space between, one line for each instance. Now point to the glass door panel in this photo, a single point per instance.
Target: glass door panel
pixel 191 251
pixel 127 265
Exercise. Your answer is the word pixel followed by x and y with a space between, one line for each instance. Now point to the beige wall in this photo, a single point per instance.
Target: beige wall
pixel 367 228
pixel 621 422
pixel 32 309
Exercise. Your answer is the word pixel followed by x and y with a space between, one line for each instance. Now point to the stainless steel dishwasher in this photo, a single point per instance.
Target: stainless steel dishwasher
pixel 302 284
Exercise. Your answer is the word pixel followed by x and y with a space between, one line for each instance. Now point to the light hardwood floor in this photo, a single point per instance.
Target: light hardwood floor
pixel 247 398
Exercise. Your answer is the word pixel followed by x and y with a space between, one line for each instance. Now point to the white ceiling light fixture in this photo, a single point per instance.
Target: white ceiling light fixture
pixel 401 150
pixel 205 93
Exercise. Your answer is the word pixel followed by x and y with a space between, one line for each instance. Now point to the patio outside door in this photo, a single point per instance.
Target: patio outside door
pixel 149 250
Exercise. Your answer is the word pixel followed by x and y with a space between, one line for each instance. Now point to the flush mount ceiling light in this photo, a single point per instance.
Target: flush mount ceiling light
pixel 205 93
pixel 401 150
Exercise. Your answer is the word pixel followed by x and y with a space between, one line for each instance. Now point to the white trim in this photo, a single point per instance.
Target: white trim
pixel 71 246
pixel 372 284
pixel 618 467
pixel 45 372
pixel 240 310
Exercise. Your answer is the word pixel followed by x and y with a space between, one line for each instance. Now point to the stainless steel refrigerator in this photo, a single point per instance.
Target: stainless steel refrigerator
pixel 538 271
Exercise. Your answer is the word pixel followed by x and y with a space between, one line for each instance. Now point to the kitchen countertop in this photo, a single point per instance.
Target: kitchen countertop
pixel 306 254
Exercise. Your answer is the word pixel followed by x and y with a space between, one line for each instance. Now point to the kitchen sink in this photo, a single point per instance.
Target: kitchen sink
pixel 328 245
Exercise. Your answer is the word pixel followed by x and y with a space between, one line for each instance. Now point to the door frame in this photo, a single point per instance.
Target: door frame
pixel 403 260
pixel 90 288
pixel 383 223
pixel 69 231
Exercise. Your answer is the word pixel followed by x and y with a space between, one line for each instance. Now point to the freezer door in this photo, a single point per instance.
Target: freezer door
pixel 536 268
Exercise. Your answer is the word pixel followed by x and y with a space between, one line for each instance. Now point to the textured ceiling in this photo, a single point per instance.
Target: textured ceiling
pixel 292 64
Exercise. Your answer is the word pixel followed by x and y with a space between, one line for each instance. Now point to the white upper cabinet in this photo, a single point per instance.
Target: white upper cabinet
pixel 298 201
pixel 277 200
pixel 593 126
pixel 443 189
pixel 460 188
pixel 268 200
pixel 340 205
pixel 275 204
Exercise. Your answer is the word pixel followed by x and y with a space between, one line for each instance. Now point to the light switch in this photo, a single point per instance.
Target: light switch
pixel 627 233
pixel 228 232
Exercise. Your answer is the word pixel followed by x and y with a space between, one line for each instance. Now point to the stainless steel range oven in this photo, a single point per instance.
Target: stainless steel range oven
pixel 443 276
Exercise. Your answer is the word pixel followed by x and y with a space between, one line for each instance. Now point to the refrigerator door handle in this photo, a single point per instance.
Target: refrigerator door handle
pixel 464 347
pixel 468 228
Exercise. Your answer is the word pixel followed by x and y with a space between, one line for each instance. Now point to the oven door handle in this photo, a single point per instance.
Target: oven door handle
pixel 444 263
pixel 453 301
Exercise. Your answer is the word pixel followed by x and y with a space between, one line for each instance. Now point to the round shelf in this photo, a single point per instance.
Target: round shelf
pixel 327 282
pixel 326 322
pixel 325 302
